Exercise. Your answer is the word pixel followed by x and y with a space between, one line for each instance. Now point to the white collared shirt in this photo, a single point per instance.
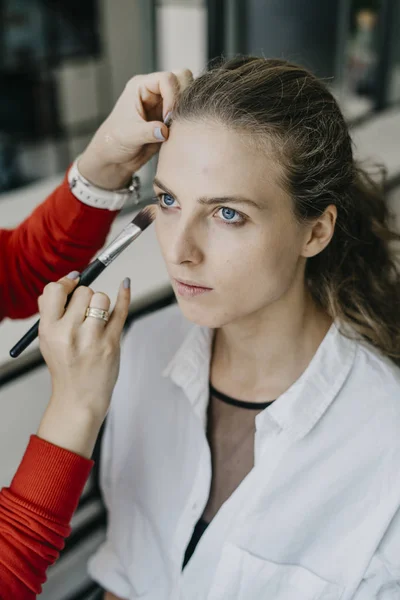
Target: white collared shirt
pixel 317 518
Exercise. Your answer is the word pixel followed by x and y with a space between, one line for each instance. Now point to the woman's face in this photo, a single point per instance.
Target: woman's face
pixel 224 224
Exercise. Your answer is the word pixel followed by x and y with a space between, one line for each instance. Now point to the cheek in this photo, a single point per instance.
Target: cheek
pixel 258 261
pixel 162 233
pixel 280 260
pixel 256 273
pixel 232 264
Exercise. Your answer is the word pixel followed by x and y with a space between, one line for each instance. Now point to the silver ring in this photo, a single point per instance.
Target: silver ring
pixel 97 313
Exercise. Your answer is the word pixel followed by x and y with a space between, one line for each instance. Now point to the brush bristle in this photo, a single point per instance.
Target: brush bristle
pixel 145 217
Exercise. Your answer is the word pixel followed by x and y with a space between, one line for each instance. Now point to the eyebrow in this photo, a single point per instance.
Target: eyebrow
pixel 207 201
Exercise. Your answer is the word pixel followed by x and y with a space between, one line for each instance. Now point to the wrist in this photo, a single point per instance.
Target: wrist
pixel 70 426
pixel 104 175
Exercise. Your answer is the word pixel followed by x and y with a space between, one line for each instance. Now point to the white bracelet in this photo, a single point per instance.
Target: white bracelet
pixel 97 197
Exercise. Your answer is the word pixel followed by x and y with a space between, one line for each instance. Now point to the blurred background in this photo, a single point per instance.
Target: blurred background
pixel 63 64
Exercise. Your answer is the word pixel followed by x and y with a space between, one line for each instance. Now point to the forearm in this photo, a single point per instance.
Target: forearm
pixel 35 512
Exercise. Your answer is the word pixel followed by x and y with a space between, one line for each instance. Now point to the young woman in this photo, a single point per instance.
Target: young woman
pixel 252 448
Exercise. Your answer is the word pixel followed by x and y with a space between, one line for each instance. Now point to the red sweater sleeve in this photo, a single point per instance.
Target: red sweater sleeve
pixel 61 235
pixel 35 512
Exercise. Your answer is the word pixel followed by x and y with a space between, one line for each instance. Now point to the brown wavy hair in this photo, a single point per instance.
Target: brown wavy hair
pixel 355 278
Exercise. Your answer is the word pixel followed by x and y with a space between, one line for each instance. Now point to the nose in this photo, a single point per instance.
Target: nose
pixel 185 244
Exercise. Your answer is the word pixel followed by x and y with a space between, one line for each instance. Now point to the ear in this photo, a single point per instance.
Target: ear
pixel 320 232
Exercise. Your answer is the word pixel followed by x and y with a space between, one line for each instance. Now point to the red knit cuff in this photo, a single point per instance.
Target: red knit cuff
pixel 51 478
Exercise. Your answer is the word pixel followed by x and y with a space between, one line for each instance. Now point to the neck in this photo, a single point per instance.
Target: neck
pixel 261 356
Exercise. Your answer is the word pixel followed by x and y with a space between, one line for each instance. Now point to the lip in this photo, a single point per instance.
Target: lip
pixel 189 289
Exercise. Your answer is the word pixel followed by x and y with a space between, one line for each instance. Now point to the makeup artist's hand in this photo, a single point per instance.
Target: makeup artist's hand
pixel 134 130
pixel 82 355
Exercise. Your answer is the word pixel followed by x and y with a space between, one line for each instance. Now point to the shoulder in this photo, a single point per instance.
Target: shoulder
pixel 368 392
pixel 370 369
pixel 374 389
pixel 377 371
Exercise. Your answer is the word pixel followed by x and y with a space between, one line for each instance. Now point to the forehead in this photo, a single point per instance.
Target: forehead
pixel 219 159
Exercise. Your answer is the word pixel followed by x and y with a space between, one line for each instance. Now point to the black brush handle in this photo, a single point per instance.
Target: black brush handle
pixel 89 274
pixel 87 277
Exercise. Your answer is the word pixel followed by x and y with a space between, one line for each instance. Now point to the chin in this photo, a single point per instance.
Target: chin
pixel 203 316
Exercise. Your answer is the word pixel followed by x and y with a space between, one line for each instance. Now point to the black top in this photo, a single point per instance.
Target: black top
pixel 201 524
pixel 238 403
pixel 198 531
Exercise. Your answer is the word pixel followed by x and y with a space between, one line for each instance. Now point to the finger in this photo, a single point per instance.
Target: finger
pixel 152 132
pixel 54 298
pixel 148 98
pixel 76 309
pixel 121 309
pixel 165 85
pixel 185 78
pixel 96 325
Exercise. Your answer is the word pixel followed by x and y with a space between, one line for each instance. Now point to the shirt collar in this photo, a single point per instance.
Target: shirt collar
pixel 298 409
pixel 190 367
pixel 303 404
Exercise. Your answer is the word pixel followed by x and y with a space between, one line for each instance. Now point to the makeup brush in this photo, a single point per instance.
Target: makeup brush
pixel 142 220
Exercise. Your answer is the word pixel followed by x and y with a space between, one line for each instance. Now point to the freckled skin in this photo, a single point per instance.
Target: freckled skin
pixel 250 267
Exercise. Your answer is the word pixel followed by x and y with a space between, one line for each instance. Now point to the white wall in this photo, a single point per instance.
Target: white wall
pixel 181 33
pixel 128 41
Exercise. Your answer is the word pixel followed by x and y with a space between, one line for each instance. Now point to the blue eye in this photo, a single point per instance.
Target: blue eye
pixel 167 200
pixel 230 216
pixel 228 213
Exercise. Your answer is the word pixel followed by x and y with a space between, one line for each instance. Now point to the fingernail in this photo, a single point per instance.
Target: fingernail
pixel 168 118
pixel 127 283
pixel 158 134
pixel 73 275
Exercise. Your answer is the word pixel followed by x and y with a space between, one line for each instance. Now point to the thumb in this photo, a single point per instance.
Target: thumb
pixel 153 131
